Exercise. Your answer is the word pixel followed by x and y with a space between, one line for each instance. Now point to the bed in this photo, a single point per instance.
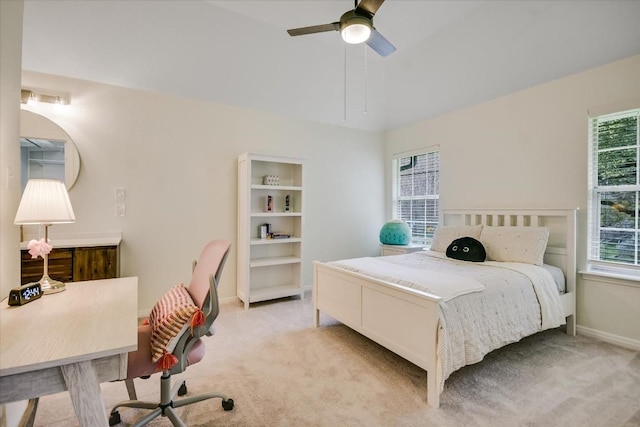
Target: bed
pixel 417 317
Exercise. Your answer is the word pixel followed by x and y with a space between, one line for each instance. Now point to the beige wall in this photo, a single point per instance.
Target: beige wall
pixel 177 160
pixel 10 66
pixel 529 150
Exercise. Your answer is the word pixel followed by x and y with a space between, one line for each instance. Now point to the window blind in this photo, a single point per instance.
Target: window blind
pixel 416 191
pixel 614 191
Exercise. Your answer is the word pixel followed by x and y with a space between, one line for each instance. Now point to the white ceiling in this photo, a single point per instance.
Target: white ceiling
pixel 451 54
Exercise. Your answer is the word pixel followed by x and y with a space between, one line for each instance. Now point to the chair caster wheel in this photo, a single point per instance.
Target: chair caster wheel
pixel 183 389
pixel 227 405
pixel 114 418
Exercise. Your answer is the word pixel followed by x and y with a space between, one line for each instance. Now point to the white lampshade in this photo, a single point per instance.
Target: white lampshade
pixel 45 201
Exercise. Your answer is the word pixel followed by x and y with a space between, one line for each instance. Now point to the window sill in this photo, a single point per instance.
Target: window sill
pixel 611 278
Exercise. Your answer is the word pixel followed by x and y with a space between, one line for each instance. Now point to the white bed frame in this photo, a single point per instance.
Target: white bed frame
pixel 387 313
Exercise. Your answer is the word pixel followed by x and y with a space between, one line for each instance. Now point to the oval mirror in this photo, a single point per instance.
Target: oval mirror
pixel 46 150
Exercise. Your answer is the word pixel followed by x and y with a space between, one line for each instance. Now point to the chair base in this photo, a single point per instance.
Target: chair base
pixel 166 406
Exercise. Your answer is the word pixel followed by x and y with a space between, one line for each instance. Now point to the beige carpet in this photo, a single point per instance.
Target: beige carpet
pixel 282 372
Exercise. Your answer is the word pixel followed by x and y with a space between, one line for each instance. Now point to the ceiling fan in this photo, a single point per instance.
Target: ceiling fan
pixel 355 26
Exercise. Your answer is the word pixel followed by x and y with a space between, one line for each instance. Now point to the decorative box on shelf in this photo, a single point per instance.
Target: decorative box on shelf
pixel 271 180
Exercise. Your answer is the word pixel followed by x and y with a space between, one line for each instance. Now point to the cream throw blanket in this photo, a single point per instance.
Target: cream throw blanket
pixel 442 284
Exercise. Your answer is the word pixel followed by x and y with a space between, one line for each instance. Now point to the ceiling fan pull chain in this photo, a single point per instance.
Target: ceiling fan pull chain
pixel 344 118
pixel 366 78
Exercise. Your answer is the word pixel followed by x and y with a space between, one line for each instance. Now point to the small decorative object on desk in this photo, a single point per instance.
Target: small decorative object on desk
pixel 271 180
pixel 25 294
pixel 287 203
pixel 39 248
pixel 269 204
pixel 395 232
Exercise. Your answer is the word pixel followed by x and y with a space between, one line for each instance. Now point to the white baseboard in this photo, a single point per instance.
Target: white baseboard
pixel 229 300
pixel 610 338
pixel 236 300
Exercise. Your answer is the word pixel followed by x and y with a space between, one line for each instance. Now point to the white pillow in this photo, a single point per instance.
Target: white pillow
pixel 515 244
pixel 447 234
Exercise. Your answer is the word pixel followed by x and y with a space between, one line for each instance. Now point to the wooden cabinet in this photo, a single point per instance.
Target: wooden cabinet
pixel 60 266
pixel 73 264
pixel 95 263
pixel 270 191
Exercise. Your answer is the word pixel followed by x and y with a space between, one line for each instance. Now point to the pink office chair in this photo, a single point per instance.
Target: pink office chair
pixel 189 349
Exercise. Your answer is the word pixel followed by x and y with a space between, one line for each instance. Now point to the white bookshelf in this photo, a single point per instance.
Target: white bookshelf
pixel 269 268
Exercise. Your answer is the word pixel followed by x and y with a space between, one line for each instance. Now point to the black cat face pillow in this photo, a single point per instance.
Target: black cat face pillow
pixel 467 249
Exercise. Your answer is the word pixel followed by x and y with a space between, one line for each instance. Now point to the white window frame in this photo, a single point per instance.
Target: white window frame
pixel 423 234
pixel 594 262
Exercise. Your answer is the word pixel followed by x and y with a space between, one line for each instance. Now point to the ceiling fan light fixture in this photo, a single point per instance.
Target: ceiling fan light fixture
pixel 354 28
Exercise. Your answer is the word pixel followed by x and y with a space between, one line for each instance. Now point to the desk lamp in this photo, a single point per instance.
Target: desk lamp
pixel 45 202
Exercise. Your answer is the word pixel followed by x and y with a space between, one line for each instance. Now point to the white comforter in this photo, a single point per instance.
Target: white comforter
pixel 485 305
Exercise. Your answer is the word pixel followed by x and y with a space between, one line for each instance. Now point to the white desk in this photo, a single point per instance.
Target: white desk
pixel 72 340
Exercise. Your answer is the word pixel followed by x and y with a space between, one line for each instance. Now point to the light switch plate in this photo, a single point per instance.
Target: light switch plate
pixel 121 211
pixel 120 193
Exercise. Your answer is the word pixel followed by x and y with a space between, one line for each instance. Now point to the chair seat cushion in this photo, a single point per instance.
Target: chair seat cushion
pixel 140 363
pixel 172 315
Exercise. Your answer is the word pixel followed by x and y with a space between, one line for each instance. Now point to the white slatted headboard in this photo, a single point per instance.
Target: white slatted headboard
pixel 561 248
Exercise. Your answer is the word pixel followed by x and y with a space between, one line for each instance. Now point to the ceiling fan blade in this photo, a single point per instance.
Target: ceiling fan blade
pixel 381 45
pixel 335 26
pixel 369 7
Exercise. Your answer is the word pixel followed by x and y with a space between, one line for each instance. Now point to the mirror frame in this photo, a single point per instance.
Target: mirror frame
pixel 34 125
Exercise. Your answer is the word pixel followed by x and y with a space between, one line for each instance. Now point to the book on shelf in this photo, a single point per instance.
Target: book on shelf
pixel 280 236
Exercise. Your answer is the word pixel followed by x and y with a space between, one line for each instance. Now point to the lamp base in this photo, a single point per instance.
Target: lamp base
pixel 50 286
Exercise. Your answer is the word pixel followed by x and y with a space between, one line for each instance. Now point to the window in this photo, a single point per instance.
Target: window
pixel 416 192
pixel 614 183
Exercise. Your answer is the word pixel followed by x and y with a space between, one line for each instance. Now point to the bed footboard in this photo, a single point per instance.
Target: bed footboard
pixel 382 312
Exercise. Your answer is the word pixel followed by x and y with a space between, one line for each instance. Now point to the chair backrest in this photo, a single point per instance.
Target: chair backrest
pixel 203 289
pixel 210 262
